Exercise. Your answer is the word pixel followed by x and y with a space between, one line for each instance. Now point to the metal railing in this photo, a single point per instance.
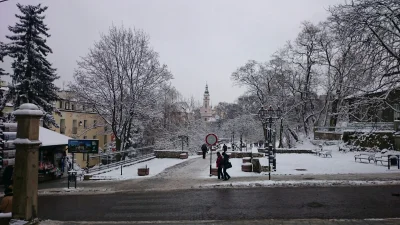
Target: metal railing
pixel 359 126
pixel 114 159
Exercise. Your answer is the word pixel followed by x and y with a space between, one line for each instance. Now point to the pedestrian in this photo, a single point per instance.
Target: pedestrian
pixel 6 202
pixel 226 165
pixel 204 149
pixel 225 148
pixel 219 166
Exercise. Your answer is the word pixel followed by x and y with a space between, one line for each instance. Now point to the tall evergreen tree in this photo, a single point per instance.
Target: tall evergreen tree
pixel 33 77
pixel 2 54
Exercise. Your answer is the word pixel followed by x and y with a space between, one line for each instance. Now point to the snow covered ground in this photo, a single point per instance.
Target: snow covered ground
pixel 156 166
pixel 304 164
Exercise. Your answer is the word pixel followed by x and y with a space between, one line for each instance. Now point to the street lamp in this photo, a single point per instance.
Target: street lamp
pixel 267 117
pixel 233 140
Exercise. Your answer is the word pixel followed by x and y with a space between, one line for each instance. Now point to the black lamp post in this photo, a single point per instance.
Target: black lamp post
pixel 233 140
pixel 268 116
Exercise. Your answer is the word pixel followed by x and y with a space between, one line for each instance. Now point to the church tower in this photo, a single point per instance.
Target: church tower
pixel 206 110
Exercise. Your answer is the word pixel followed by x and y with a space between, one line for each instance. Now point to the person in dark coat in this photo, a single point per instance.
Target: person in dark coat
pixel 204 149
pixel 225 148
pixel 219 166
pixel 7 176
pixel 225 165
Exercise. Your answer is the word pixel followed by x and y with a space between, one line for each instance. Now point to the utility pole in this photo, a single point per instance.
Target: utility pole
pixel 25 178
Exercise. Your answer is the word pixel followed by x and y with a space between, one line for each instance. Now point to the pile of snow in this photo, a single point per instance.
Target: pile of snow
pixel 301 183
pixel 72 190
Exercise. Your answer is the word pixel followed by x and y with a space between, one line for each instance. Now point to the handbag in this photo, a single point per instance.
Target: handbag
pixel 229 165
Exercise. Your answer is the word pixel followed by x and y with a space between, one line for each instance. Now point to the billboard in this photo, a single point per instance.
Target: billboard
pixel 83 146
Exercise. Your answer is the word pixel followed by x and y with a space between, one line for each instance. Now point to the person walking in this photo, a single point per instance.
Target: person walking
pixel 227 165
pixel 225 148
pixel 204 149
pixel 219 166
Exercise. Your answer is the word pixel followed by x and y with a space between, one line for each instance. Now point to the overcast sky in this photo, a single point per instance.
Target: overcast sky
pixel 200 41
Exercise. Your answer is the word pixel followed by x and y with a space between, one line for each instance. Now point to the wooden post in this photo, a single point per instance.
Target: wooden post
pixel 25 178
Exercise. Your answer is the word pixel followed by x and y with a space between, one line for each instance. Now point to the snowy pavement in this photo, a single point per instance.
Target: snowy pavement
pixel 155 166
pixel 192 173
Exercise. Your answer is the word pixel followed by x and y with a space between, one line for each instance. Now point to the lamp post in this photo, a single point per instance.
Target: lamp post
pixel 268 116
pixel 233 140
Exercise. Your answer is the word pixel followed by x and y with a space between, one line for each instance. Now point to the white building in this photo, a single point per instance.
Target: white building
pixel 206 111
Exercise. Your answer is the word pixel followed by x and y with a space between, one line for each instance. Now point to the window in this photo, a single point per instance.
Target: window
pixel 61 104
pixel 83 108
pixel 67 105
pixel 105 128
pixel 72 106
pixel 74 127
pixel 85 124
pixel 94 123
pixel 396 111
pixel 94 137
pixel 84 137
pixel 62 126
pixel 105 139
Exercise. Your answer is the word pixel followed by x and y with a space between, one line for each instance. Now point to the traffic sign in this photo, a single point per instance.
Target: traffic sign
pixel 211 139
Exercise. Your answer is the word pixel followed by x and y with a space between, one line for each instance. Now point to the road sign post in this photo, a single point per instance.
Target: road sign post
pixel 211 139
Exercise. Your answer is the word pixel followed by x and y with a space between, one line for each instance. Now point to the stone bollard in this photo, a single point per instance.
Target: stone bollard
pixel 25 178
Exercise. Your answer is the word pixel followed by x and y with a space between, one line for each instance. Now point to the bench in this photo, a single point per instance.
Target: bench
pixel 362 156
pixel 316 151
pixel 382 159
pixel 326 153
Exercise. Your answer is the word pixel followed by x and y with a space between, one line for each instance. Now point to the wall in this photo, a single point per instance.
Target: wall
pixel 321 135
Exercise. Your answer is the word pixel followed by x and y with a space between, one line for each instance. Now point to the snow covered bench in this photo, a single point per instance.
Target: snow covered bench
pixel 326 153
pixel 369 157
pixel 382 159
pixel 317 151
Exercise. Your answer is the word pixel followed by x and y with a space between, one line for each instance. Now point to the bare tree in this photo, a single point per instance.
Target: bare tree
pixel 119 78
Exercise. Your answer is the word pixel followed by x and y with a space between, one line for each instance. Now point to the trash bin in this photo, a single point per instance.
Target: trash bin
pixel 393 161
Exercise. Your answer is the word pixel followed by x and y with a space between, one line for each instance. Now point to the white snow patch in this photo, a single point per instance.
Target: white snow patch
pixel 25 141
pixel 313 183
pixel 73 190
pixel 155 166
pixel 51 138
pixel 5 215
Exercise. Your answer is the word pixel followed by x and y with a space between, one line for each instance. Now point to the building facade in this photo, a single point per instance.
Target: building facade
pixel 79 121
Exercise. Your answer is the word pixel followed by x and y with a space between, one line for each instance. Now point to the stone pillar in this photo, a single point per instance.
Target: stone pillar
pixel 25 179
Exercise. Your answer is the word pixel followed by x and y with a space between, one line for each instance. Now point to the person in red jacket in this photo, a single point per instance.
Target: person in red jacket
pixel 219 166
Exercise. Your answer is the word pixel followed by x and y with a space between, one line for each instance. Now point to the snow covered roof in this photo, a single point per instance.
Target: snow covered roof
pixel 51 138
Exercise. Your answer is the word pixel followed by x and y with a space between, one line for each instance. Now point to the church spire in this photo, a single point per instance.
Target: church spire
pixel 206 91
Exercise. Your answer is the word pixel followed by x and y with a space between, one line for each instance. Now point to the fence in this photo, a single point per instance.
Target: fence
pixel 113 159
pixel 358 126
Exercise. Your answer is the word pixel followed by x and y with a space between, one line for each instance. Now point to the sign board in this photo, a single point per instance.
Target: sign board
pixel 8 154
pixel 211 139
pixel 83 146
pixel 8 162
pixel 8 136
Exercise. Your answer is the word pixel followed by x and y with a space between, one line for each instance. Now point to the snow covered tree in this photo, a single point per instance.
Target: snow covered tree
pixel 121 78
pixel 2 54
pixel 33 76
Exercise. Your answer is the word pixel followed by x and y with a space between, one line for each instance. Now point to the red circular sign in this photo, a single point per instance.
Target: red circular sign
pixel 211 139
